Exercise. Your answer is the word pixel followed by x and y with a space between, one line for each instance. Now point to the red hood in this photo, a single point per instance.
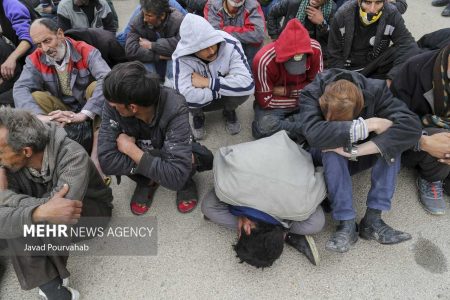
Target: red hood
pixel 294 39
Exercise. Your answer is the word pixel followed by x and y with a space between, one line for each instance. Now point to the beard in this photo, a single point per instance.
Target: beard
pixel 60 53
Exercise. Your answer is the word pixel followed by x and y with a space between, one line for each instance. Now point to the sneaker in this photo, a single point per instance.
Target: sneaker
pixel 232 124
pixel 345 236
pixel 439 2
pixel 381 232
pixel 198 126
pixel 75 294
pixel 431 196
pixel 304 244
pixel 446 11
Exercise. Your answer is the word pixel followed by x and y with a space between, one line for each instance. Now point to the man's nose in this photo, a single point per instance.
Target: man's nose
pixel 44 48
pixel 372 8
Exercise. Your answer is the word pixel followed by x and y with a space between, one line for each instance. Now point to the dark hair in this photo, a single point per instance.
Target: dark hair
pixel 48 23
pixel 262 246
pixel 130 83
pixel 157 7
pixel 342 100
pixel 24 130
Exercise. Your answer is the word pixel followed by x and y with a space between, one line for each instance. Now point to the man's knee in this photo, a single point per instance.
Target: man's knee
pixel 47 102
pixel 90 89
pixel 265 126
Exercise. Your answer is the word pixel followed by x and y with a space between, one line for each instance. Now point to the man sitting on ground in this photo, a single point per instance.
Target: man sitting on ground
pixel 153 37
pixel 423 84
pixel 211 72
pixel 62 79
pixel 281 69
pixel 50 179
pixel 360 37
pixel 145 135
pixel 338 111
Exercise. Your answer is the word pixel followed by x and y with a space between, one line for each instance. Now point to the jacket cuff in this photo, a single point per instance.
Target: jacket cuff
pixel 144 164
pixel 214 84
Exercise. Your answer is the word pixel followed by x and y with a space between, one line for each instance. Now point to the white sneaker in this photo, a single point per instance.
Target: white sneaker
pixel 75 293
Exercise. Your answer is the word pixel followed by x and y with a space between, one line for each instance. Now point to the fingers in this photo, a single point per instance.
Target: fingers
pixel 445 161
pixel 63 191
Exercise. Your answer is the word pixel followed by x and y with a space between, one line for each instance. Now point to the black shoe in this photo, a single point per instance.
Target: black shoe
pixel 439 2
pixel 232 124
pixel 346 235
pixel 446 11
pixel 381 232
pixel 304 244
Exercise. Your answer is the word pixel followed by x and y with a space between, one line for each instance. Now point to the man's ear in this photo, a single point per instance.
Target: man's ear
pixel 134 108
pixel 27 152
pixel 60 33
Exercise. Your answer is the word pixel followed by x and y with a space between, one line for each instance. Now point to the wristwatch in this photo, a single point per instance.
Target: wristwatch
pixel 353 153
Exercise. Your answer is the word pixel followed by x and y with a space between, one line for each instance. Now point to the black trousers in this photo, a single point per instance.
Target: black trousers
pixel 428 166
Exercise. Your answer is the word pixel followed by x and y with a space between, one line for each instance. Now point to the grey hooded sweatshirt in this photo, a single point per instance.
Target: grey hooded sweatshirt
pixel 229 74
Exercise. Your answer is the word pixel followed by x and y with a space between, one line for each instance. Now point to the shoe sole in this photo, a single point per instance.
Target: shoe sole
pixel 314 251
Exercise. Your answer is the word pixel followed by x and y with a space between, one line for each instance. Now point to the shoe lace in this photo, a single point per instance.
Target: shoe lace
pixel 434 189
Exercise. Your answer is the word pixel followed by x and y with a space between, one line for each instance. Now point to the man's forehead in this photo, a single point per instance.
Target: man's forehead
pixel 40 33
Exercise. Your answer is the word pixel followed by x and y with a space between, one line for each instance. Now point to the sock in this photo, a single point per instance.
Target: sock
pixel 55 291
pixel 372 214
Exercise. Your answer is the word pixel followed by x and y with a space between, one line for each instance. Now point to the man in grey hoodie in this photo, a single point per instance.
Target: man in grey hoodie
pixel 211 72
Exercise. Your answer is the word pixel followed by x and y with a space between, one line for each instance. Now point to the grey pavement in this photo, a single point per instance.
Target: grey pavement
pixel 195 259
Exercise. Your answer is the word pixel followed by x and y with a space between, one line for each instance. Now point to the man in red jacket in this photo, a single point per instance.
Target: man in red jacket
pixel 281 70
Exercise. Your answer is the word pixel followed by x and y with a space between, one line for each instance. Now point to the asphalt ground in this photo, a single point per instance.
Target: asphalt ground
pixel 195 259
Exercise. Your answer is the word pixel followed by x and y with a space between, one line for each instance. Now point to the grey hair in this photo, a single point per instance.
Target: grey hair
pixel 24 129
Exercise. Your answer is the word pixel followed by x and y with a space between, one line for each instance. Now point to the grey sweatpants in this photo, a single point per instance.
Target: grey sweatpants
pixel 217 211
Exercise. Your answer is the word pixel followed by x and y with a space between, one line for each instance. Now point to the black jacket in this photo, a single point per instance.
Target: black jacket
pixel 391 27
pixel 165 38
pixel 104 40
pixel 169 132
pixel 378 102
pixel 414 79
pixel 288 9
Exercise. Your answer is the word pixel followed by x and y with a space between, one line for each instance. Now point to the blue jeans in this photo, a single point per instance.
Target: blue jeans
pixel 338 171
pixel 122 36
pixel 163 68
pixel 250 52
pixel 269 121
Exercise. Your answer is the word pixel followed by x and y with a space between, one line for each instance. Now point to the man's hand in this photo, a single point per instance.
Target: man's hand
pixel 279 91
pixel 199 81
pixel 125 143
pixel 3 179
pixel 388 82
pixel 162 57
pixel 8 68
pixel 144 43
pixel 67 117
pixel 378 125
pixel 339 151
pixel 437 145
pixel 58 210
pixel 47 9
pixel 314 15
pixel 44 118
pixel 246 224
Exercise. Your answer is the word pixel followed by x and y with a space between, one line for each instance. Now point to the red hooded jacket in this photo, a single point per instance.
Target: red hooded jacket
pixel 269 71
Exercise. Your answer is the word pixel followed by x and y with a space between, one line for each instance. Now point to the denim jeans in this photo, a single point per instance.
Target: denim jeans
pixel 269 121
pixel 122 36
pixel 266 9
pixel 250 52
pixel 163 68
pixel 338 171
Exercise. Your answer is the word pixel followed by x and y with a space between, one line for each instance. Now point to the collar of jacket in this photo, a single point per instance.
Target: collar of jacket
pixel 76 8
pixel 158 107
pixel 74 55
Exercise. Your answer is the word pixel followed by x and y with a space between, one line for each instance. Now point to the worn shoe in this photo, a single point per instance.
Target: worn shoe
pixel 75 294
pixel 142 198
pixel 446 11
pixel 345 236
pixel 431 196
pixel 304 244
pixel 439 2
pixel 381 232
pixel 232 124
pixel 198 126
